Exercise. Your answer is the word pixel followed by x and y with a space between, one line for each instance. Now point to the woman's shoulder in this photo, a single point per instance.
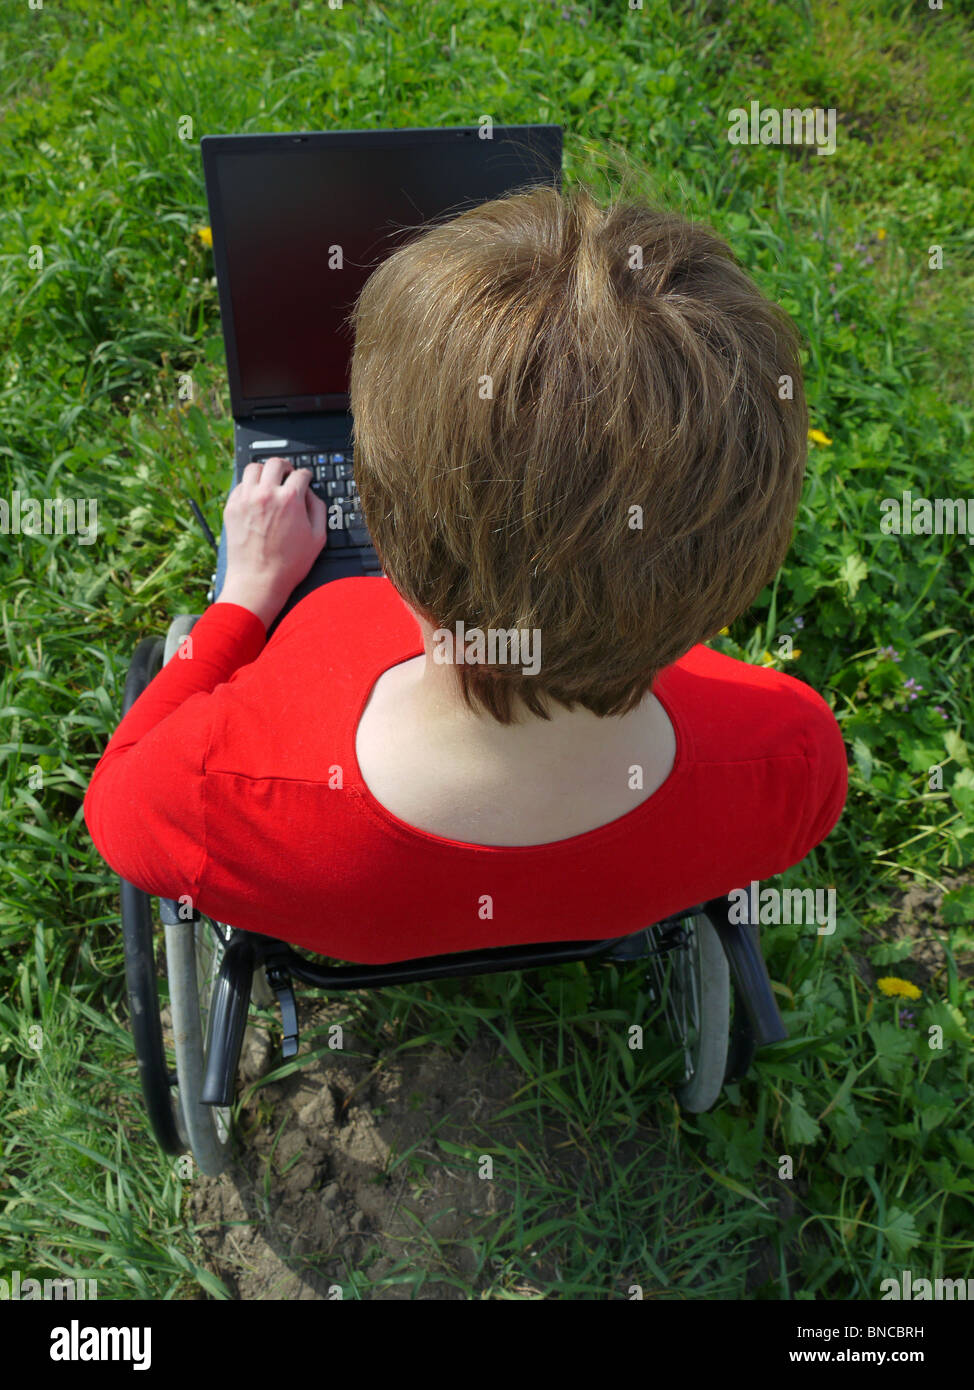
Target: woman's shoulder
pixel 366 604
pixel 737 710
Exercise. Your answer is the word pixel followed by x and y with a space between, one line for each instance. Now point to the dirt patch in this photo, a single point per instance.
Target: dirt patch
pixel 915 916
pixel 323 1190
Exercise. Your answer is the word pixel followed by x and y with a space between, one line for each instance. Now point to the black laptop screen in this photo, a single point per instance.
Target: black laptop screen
pixel 304 228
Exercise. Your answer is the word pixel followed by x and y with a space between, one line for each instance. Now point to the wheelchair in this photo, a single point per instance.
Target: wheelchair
pixel 705 973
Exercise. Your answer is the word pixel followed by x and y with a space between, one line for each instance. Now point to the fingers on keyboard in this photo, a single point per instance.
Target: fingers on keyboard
pixel 333 482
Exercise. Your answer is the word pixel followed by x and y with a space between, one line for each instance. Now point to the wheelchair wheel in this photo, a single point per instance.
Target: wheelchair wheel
pixel 194 952
pixel 171 1061
pixel 155 1073
pixel 692 982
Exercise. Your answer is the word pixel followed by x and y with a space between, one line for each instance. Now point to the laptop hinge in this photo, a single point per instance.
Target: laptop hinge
pixel 269 410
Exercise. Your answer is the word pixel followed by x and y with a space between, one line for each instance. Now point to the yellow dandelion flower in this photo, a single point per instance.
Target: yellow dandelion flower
pixel 817 437
pixel 897 988
pixel 205 235
pixel 767 658
pixel 881 233
pixel 791 656
pixel 724 632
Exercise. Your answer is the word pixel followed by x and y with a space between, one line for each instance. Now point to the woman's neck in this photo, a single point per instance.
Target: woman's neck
pixel 427 694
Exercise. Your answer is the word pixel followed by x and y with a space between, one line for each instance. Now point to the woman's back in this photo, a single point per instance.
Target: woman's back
pixel 235 780
pixel 447 772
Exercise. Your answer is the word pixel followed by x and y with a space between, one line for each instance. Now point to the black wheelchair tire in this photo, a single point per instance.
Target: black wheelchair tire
pixel 140 963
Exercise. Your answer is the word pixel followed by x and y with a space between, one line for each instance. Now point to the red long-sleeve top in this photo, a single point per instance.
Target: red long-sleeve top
pixel 233 779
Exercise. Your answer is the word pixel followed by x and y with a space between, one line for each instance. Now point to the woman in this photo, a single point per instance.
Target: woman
pixel 582 431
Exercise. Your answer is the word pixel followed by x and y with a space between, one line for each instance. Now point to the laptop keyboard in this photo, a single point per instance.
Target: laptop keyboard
pixel 332 481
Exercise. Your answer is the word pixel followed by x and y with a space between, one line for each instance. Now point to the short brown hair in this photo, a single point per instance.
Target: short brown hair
pixel 637 376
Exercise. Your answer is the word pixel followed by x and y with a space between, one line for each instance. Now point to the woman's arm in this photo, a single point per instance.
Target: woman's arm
pixel 144 805
pixel 828 770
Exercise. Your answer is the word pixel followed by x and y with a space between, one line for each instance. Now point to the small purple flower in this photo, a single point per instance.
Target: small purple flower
pixel 938 709
pixel 859 246
pixel 906 1018
pixel 890 652
pixel 869 260
pixel 799 623
pixel 836 315
pixel 693 123
pixel 816 236
pixel 734 158
pixel 837 267
pixel 913 688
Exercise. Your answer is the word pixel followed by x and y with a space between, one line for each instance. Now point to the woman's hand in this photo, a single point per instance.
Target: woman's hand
pixel 276 528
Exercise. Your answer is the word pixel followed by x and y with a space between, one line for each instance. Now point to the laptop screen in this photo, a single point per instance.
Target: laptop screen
pixel 300 222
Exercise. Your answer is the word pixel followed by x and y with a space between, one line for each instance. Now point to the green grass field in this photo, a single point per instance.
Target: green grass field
pixel 107 301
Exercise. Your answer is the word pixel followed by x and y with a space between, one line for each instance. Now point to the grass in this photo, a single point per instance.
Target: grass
pixel 107 305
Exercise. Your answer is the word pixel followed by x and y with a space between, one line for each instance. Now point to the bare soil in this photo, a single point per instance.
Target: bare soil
pixel 319 1192
pixel 915 916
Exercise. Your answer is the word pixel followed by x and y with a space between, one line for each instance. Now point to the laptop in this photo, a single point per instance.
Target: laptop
pixel 299 222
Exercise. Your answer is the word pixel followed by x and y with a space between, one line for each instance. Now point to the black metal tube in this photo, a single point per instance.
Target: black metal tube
pixel 491 961
pixel 228 1020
